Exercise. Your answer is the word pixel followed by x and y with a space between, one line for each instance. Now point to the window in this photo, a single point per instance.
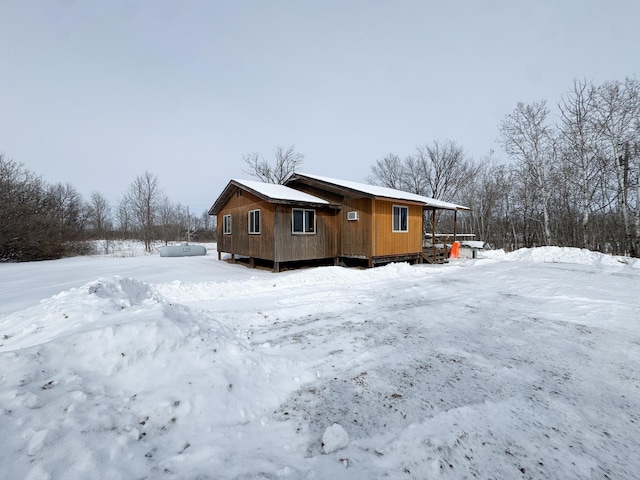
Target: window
pixel 303 221
pixel 254 222
pixel 400 218
pixel 226 224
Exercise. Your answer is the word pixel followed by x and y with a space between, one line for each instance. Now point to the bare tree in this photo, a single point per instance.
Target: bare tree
pixel 526 137
pixel 99 214
pixel 440 170
pixel 99 219
pixel 618 116
pixel 446 169
pixel 168 219
pixel 286 161
pixel 388 172
pixel 65 205
pixel 486 192
pixel 143 201
pixel 207 226
pixel 190 224
pixel 176 222
pixel 124 218
pixel 581 145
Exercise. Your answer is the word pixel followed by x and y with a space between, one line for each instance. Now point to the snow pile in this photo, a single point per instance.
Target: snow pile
pixel 115 373
pixel 560 255
pixel 512 367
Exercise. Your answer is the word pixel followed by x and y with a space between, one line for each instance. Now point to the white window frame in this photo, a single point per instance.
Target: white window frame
pixel 306 229
pixel 397 214
pixel 252 222
pixel 226 224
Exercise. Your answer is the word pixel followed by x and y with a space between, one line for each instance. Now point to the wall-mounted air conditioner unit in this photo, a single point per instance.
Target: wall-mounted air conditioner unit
pixel 352 216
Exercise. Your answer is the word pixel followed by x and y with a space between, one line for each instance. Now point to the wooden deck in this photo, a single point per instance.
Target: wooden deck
pixel 436 248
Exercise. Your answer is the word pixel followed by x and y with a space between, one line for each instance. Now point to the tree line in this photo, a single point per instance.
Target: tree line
pixel 574 181
pixel 41 221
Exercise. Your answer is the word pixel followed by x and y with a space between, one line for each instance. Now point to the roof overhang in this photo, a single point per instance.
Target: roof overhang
pixel 373 191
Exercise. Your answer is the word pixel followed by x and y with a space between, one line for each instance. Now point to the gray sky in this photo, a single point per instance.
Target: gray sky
pixel 96 93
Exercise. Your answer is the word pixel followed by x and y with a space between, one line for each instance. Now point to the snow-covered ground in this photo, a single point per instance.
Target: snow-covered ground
pixel 520 365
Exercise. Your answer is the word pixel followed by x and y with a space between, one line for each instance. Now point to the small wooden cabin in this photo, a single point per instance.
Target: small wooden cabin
pixel 315 218
pixel 274 223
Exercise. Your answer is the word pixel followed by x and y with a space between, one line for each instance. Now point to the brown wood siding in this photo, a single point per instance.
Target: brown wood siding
pixel 293 246
pixel 388 242
pixel 356 235
pixel 240 242
pixel 372 234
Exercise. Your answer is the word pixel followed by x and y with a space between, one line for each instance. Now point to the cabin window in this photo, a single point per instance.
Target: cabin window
pixel 226 224
pixel 303 221
pixel 400 218
pixel 254 222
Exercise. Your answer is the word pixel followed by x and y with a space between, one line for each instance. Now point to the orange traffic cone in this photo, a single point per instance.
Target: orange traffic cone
pixel 455 250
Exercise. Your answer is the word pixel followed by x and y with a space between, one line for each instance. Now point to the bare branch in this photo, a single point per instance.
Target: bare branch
pixel 286 161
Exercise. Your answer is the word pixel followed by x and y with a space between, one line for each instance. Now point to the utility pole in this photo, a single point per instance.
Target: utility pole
pixel 188 226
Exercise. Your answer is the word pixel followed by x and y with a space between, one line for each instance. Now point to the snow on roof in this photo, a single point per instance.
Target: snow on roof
pixel 280 192
pixel 378 191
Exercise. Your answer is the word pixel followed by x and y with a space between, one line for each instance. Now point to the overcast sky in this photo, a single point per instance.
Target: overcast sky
pixel 95 93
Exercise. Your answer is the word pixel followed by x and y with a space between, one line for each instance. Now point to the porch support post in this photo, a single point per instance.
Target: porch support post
pixel 455 224
pixel 433 233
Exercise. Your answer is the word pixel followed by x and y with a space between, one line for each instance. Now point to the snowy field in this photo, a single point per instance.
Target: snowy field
pixel 521 365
